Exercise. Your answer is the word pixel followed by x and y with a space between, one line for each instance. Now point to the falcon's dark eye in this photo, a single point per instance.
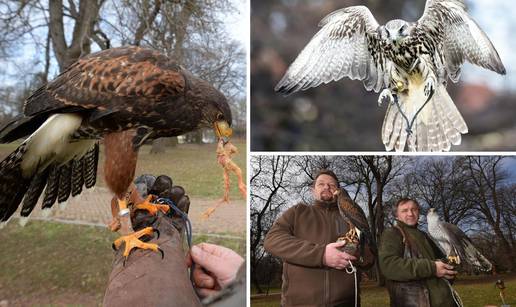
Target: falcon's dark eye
pixel 220 116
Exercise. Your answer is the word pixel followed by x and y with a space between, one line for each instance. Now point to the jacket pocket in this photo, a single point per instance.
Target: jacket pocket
pixel 305 285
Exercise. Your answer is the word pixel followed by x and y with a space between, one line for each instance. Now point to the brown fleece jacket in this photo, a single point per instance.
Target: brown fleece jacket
pixel 299 237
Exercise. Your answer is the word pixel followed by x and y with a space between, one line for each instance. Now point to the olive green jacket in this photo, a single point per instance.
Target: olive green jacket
pixel 397 268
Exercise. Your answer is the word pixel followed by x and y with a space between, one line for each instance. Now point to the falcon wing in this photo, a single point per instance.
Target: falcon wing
pixel 109 81
pixel 346 46
pixel 464 247
pixel 460 37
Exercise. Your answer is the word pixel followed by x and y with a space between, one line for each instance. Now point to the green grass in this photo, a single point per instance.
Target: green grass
pixel 474 291
pixel 61 260
pixel 193 166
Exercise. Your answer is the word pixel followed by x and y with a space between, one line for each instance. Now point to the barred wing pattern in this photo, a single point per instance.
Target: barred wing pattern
pixel 346 46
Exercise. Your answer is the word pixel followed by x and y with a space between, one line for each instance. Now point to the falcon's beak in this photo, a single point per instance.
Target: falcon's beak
pixel 222 129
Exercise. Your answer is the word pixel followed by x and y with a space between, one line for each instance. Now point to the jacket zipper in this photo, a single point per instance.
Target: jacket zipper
pixel 327 287
pixel 327 272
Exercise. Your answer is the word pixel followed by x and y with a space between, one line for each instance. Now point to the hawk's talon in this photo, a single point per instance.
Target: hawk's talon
pixel 162 253
pixel 133 241
pixel 155 230
pixel 151 207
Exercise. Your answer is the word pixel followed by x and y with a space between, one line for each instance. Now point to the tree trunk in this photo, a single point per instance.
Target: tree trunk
pixel 85 20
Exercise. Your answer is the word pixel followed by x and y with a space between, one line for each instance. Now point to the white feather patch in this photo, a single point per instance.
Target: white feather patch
pixel 23 220
pixel 49 141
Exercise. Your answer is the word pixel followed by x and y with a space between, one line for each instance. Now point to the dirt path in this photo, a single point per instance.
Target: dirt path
pixel 92 207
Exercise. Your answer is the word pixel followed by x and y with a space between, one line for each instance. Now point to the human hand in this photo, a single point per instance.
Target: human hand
pixel 215 267
pixel 334 258
pixel 444 270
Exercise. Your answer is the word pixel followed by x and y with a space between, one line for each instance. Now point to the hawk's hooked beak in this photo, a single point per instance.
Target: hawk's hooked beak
pixel 222 129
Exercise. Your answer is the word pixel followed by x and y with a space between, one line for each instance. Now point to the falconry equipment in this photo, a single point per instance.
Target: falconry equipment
pixel 123 95
pixel 409 62
pixel 457 247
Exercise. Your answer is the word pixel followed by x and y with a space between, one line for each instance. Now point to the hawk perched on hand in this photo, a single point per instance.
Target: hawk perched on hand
pixel 352 213
pixel 410 61
pixel 125 95
pixel 455 244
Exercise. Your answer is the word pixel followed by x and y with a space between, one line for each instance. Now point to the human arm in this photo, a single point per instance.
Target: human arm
pixel 395 267
pixel 281 242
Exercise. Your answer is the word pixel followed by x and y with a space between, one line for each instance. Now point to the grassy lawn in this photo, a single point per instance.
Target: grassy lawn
pixel 474 291
pixel 193 166
pixel 61 263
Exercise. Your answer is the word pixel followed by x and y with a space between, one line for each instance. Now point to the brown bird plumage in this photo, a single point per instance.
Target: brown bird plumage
pixel 130 89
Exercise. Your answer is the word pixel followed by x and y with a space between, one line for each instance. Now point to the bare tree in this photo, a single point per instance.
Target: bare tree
pixel 487 177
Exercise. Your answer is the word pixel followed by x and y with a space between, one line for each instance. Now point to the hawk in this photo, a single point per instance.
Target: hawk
pixel 457 247
pixel 409 62
pixel 124 96
pixel 354 215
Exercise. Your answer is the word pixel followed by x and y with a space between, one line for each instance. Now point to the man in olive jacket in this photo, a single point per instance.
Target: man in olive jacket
pixel 313 266
pixel 408 259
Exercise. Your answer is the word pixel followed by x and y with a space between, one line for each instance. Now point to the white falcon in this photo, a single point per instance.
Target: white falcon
pixel 409 62
pixel 457 247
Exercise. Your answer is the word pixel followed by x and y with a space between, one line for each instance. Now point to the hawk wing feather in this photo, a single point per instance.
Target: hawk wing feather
pixel 352 211
pixel 460 36
pixel 113 79
pixel 346 46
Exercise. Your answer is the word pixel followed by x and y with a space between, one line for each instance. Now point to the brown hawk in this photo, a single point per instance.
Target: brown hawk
pixel 124 95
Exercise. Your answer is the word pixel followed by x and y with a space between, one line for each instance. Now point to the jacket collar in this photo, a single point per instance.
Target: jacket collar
pixel 401 224
pixel 326 204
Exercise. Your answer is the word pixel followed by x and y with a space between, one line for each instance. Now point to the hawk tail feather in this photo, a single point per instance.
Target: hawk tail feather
pixel 12 183
pixel 32 195
pixel 91 160
pixel 77 179
pixel 46 158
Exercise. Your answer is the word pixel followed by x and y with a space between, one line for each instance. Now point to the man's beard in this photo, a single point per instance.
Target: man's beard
pixel 326 198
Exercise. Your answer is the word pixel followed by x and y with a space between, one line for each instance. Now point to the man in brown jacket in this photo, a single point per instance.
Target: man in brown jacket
pixel 313 266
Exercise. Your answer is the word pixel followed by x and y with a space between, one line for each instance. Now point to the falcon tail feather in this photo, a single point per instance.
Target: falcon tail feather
pixel 475 258
pixel 437 126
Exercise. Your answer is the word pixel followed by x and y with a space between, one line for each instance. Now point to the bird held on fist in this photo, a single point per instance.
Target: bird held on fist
pixel 124 95
pixel 457 247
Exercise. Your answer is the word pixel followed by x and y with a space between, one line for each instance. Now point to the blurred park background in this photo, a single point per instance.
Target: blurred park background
pixel 342 115
pixel 475 193
pixel 64 258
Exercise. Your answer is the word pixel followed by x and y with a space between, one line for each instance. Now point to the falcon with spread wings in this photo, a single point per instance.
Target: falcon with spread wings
pixel 457 247
pixel 124 95
pixel 409 62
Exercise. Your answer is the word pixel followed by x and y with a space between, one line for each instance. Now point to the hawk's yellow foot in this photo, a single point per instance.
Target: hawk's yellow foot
pixel 133 241
pixel 453 260
pixel 152 208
